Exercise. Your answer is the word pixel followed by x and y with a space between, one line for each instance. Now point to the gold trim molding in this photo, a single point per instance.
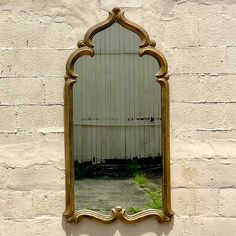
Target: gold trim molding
pixel 146 47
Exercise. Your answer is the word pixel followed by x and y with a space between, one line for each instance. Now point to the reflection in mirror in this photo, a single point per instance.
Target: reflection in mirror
pixel 117 126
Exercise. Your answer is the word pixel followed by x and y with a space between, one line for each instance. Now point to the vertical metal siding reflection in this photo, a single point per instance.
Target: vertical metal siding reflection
pixel 117 101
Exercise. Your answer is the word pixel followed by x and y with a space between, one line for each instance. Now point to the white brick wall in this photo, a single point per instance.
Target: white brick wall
pixel 198 39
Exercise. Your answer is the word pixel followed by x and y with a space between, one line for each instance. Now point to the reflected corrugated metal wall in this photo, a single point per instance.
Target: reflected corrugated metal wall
pixel 116 100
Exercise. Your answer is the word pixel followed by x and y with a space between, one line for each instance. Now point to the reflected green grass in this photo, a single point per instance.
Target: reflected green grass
pixel 140 179
pixel 153 190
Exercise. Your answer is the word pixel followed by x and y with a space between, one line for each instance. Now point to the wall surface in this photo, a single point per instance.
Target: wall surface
pixel 199 40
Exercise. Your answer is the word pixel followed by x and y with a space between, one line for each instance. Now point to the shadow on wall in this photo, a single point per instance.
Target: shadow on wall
pixel 147 227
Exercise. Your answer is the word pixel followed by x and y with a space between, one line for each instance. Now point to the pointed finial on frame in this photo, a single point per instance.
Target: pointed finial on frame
pixel 116 10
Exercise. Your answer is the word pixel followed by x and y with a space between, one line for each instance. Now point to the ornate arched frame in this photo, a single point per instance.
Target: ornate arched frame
pixel 146 47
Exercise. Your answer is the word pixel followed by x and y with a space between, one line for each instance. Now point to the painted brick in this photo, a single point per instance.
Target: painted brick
pixel 48 203
pixel 42 226
pixel 209 209
pixel 33 62
pixel 198 60
pixel 33 118
pixel 16 204
pixel 228 11
pixel 54 133
pixel 3 175
pixel 36 177
pixel 21 91
pixel 191 202
pixel 203 88
pixel 8 119
pixel 30 153
pixel 204 173
pixel 203 135
pixel 54 88
pixel 203 116
pixel 35 34
pixel 217 33
pixel 183 201
pixel 108 5
pixel 180 34
pixel 193 11
pixel 210 149
pixel 227 203
pixel 213 226
pixel 231 59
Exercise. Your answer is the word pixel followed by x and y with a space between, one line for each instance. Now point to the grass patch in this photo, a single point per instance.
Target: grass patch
pixel 155 196
pixel 141 180
pixel 154 193
pixel 133 210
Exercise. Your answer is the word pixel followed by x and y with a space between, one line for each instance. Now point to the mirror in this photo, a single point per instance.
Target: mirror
pixel 117 147
pixel 117 126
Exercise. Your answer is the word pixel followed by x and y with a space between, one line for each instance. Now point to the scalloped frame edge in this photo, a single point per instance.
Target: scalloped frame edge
pixel 147 47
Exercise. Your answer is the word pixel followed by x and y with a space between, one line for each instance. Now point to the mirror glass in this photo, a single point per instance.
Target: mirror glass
pixel 117 126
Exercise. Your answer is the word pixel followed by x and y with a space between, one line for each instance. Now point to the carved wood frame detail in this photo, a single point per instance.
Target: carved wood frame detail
pixel 147 47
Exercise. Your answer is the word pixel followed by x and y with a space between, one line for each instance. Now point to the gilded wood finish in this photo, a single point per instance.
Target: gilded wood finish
pixel 147 47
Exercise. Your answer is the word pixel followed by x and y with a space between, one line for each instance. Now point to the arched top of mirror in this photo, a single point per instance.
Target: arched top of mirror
pixel 120 43
pixel 116 17
pixel 116 39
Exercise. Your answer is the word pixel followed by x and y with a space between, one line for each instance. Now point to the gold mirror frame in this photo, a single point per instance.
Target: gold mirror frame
pixel 147 47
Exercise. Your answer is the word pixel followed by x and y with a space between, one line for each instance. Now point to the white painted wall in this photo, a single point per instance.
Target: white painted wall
pixel 197 37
